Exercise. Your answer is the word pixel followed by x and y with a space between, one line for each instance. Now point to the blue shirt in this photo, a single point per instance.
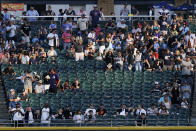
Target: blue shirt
pixel 156 46
pixel 6 16
pixel 52 26
pixel 162 99
pixel 66 27
pixel 53 79
pixel 32 13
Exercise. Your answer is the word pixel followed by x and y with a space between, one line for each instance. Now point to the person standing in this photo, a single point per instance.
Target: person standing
pixel 54 81
pixel 6 15
pixel 32 12
pixel 94 16
pixel 18 115
pixel 53 39
pixel 28 80
pixel 82 24
pixel 45 115
pixel 26 32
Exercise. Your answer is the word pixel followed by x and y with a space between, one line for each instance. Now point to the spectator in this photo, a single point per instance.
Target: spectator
pixel 163 110
pixel 46 81
pixel 122 26
pixel 54 81
pixel 141 120
pixel 18 114
pixel 23 97
pixel 123 111
pixel 52 52
pixel 156 89
pixel 187 67
pixel 12 99
pixel 163 11
pixel 140 110
pixel 81 12
pixel 124 11
pixel 29 116
pixel 152 110
pixel 185 104
pixel 167 61
pixel 101 111
pixel 79 54
pixel 42 34
pixel 11 31
pixel 87 113
pixel 102 14
pixel 28 80
pixel 32 12
pixel 67 85
pixel 119 61
pixel 78 117
pixel 82 24
pixel 26 32
pixel 94 17
pixel 175 94
pixel 50 12
pixel 165 100
pixel 66 36
pixel 9 71
pixel 53 39
pixel 68 113
pixel 6 14
pixel 59 115
pixel 138 61
pixel 52 25
pixel 134 11
pixel 184 29
pixel 45 115
pixel 39 88
pixel 91 117
pixel 185 90
pixel 76 84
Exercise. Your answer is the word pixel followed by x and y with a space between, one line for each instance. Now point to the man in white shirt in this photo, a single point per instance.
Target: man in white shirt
pixel 11 29
pixel 18 115
pixel 82 23
pixel 53 39
pixel 45 117
pixel 78 117
pixel 39 88
pixel 91 108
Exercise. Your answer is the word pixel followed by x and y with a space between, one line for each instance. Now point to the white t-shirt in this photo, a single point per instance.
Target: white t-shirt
pixel 161 11
pixel 25 59
pixel 87 111
pixel 139 112
pixel 45 115
pixel 78 118
pixel 12 32
pixel 39 88
pixel 51 41
pixel 123 26
pixel 51 53
pixel 82 23
pixel 18 116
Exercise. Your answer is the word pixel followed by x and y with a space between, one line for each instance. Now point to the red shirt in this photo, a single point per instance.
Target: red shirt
pixel 66 37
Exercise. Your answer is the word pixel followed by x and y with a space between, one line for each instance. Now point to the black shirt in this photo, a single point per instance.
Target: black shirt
pixel 9 71
pixel 79 48
pixel 101 43
pixel 67 114
pixel 26 29
pixel 101 112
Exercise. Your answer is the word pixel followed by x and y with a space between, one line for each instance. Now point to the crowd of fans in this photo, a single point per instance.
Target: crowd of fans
pixel 160 46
